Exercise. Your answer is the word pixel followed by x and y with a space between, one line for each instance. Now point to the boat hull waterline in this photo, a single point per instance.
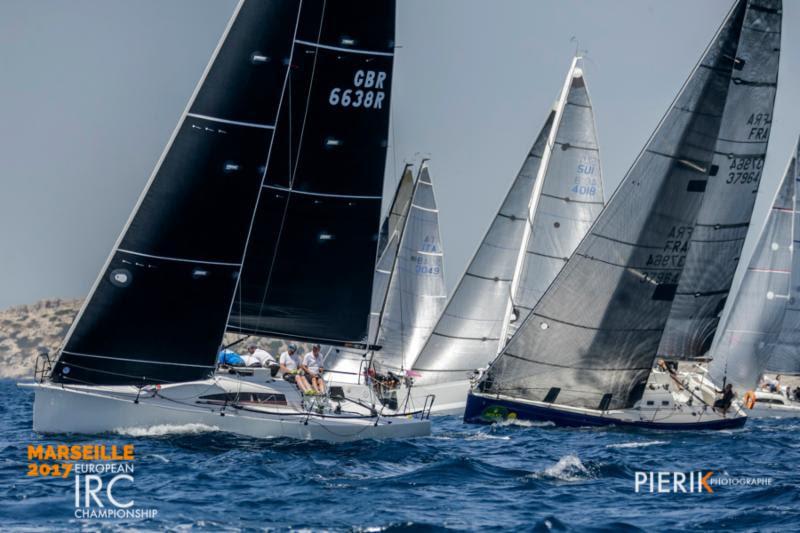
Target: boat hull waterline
pixel 489 409
pixel 95 409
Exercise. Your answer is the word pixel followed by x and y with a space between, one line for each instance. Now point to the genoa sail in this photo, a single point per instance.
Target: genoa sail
pixel 593 337
pixel 158 310
pixel 741 352
pixel 416 293
pixel 468 331
pixel 308 268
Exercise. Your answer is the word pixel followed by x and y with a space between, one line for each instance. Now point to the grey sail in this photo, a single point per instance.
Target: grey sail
pixel 571 199
pixel 416 293
pixel 468 332
pixel 784 356
pixel 741 352
pixel 344 360
pixel 593 336
pixel 733 179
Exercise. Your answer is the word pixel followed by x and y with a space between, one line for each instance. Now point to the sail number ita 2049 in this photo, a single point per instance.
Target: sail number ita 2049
pixel 367 91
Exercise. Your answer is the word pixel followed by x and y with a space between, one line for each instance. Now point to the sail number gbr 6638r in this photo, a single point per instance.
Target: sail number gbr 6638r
pixel 367 91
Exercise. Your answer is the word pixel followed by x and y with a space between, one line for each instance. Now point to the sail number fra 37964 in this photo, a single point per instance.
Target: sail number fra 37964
pixel 367 91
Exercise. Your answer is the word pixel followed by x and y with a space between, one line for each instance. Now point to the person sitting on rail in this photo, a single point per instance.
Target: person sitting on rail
pixel 724 403
pixel 258 357
pixel 290 366
pixel 312 367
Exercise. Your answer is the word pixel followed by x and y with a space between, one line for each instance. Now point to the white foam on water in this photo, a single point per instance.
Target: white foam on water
pixel 526 423
pixel 486 436
pixel 637 444
pixel 568 468
pixel 165 429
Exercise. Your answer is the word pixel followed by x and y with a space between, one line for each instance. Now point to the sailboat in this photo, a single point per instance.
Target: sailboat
pixel 762 322
pixel 290 124
pixel 408 297
pixel 551 203
pixel 659 254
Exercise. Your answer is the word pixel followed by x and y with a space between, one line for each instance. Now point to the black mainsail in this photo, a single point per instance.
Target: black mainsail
pixel 592 339
pixel 289 122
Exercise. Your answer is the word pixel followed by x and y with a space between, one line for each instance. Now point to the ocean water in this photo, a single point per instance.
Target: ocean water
pixel 532 478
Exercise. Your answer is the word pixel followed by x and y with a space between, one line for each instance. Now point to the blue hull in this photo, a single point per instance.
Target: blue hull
pixel 481 410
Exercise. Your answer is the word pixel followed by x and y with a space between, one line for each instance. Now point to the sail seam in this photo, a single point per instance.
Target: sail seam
pixel 486 277
pixel 571 146
pixel 179 259
pixel 425 208
pixel 340 49
pixel 328 195
pixel 590 327
pixel 78 354
pixel 570 200
pixel 532 252
pixel 234 122
pixel 576 367
pixel 482 339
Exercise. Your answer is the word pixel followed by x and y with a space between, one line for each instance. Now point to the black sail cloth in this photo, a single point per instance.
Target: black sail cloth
pixel 158 311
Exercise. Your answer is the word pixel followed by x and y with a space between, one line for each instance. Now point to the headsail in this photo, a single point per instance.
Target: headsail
pixel 570 200
pixel 468 331
pixel 417 291
pixel 158 310
pixel 784 354
pixel 310 258
pixel 741 352
pixel 592 339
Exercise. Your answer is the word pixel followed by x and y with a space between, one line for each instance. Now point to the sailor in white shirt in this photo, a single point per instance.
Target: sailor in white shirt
pixel 259 357
pixel 290 366
pixel 312 368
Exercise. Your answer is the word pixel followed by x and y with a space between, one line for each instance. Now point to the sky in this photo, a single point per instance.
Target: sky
pixel 90 91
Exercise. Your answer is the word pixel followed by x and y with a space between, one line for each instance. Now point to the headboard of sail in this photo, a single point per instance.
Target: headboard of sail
pixel 309 263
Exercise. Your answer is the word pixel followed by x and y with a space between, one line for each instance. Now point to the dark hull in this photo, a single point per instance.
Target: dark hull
pixel 482 410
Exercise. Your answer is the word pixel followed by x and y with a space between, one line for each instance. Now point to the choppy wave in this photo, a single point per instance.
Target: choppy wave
pixel 463 477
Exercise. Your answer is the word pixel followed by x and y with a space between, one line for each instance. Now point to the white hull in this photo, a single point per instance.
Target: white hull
pixel 101 409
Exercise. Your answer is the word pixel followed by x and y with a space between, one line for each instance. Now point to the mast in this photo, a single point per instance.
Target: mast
pixel 534 202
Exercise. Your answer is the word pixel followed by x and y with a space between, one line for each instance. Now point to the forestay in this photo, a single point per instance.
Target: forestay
pixel 416 294
pixel 741 352
pixel 592 338
pixel 467 334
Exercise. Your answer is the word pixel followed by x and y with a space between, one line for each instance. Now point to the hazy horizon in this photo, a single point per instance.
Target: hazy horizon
pixel 92 90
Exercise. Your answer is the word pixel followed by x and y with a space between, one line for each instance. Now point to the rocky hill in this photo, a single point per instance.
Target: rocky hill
pixel 27 330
